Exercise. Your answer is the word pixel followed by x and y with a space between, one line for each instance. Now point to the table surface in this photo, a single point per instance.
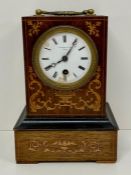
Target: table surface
pixel 9 167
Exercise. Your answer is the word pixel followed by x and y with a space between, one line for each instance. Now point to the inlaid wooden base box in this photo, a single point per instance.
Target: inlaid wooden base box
pixel 62 140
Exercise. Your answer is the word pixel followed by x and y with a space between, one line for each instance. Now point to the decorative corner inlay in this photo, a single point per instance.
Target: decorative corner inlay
pixel 93 28
pixel 34 27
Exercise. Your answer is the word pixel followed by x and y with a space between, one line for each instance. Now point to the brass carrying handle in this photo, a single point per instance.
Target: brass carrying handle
pixel 65 13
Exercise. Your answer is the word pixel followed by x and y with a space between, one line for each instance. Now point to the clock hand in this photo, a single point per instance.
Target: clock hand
pixel 50 66
pixel 73 44
pixel 64 58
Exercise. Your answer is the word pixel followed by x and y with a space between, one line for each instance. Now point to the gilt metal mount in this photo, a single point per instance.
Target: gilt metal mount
pixel 65 13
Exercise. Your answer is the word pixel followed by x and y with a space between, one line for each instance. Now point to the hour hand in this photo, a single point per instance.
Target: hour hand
pixel 54 64
pixel 50 66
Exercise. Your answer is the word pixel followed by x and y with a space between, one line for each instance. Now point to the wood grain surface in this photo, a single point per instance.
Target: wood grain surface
pixel 41 146
pixel 86 101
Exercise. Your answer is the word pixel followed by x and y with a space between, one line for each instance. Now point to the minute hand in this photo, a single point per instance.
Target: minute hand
pixel 73 44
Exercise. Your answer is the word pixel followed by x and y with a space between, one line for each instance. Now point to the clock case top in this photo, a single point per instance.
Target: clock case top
pixel 87 101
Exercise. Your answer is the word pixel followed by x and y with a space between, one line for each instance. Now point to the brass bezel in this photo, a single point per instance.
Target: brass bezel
pixel 54 84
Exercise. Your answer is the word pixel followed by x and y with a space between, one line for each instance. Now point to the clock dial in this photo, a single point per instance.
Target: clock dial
pixel 64 57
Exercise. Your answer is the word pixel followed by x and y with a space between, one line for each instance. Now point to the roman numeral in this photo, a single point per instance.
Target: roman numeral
pixel 75 75
pixel 84 58
pixel 55 74
pixel 81 67
pixel 45 58
pixel 65 77
pixel 64 39
pixel 54 40
pixel 81 48
pixel 47 48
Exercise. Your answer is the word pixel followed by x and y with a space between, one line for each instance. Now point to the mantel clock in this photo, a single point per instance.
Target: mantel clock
pixel 66 117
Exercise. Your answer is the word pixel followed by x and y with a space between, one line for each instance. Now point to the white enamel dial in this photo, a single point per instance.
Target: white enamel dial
pixel 64 57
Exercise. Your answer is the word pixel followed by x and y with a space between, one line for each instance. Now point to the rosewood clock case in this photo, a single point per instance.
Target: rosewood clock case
pixel 66 125
pixel 88 100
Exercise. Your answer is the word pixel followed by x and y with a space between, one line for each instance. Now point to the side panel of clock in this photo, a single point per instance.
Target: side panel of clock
pixel 86 101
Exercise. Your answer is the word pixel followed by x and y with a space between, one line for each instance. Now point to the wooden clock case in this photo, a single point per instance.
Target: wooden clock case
pixel 73 125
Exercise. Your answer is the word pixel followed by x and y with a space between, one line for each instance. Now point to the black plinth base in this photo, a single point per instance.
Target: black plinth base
pixel 94 123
